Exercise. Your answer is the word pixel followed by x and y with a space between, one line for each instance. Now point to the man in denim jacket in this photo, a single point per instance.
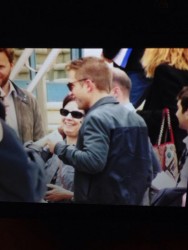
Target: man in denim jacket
pixel 112 158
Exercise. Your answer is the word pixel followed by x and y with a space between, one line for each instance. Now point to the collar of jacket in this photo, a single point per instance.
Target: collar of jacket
pixel 20 93
pixel 103 101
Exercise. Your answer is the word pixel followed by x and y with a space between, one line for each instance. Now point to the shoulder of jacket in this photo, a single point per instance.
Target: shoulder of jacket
pixel 28 94
pixel 23 94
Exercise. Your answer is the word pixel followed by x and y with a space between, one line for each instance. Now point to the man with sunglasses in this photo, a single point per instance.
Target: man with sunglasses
pixel 112 157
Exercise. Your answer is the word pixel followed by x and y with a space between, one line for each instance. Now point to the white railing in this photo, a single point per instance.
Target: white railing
pixel 20 63
pixel 46 66
pixel 39 80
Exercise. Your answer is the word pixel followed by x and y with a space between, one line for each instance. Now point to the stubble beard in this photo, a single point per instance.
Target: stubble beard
pixel 4 82
pixel 83 105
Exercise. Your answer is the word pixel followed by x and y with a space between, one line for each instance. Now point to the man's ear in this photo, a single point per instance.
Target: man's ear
pixel 89 85
pixel 116 91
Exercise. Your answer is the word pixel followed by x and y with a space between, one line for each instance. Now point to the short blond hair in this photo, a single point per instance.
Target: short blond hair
pixel 93 68
pixel 122 79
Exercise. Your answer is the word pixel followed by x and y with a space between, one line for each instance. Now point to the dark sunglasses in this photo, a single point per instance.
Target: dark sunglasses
pixel 70 85
pixel 74 114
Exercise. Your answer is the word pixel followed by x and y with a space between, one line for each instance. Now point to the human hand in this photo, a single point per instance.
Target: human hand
pixel 50 145
pixel 57 193
pixel 54 137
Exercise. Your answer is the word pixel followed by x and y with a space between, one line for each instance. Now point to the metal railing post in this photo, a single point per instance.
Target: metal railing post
pixel 20 63
pixel 44 68
pixel 32 63
pixel 76 53
pixel 42 101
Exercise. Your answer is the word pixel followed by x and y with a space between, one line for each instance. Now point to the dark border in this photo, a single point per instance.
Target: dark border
pixel 90 26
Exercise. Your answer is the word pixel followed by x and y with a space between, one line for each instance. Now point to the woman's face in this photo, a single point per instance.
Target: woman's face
pixel 71 125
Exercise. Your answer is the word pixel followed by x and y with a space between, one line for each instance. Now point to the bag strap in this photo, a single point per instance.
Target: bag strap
pixel 167 113
pixel 161 129
pixel 165 116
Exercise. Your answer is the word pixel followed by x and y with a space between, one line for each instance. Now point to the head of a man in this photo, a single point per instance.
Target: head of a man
pixel 121 85
pixel 90 78
pixel 6 64
pixel 182 108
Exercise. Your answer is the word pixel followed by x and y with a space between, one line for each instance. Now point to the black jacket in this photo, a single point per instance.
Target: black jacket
pixel 167 82
pixel 133 63
pixel 21 179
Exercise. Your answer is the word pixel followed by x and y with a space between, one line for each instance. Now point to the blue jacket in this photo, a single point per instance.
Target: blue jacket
pixel 113 156
pixel 21 178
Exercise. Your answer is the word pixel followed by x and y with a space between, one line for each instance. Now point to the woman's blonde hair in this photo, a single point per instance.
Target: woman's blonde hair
pixel 152 57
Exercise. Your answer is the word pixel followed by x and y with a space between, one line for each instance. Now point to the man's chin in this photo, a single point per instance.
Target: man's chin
pixel 79 104
pixel 82 106
pixel 3 83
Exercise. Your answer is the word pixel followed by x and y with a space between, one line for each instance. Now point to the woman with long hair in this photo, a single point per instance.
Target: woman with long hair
pixel 168 69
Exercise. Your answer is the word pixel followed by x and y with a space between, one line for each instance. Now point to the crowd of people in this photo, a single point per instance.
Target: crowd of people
pixel 104 154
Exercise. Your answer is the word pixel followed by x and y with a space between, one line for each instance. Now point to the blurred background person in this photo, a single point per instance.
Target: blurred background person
pixel 121 87
pixel 168 70
pixel 129 61
pixel 22 111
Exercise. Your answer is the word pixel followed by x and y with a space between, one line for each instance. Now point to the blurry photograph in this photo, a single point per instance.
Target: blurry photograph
pixel 95 126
